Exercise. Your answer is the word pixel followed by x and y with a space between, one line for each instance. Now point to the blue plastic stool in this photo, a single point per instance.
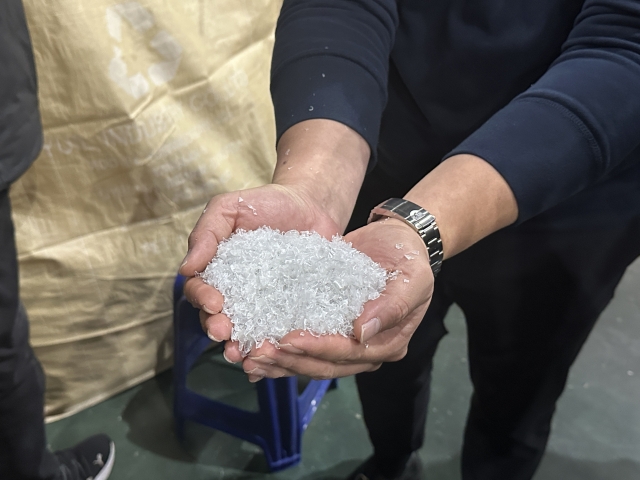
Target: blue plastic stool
pixel 282 416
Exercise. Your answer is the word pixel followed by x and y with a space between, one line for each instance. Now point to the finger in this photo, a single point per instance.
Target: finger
pixel 270 354
pixel 203 316
pixel 329 348
pixel 258 371
pixel 232 353
pixel 412 286
pixel 333 348
pixel 387 345
pixel 278 363
pixel 398 300
pixel 288 364
pixel 218 327
pixel 215 224
pixel 203 296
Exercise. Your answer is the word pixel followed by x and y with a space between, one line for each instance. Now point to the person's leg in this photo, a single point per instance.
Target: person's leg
pixel 395 397
pixel 530 299
pixel 23 452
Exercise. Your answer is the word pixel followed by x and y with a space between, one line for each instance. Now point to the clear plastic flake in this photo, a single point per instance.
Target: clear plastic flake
pixel 275 282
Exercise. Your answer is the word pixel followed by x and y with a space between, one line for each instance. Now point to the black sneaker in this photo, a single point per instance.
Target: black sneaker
pixel 369 470
pixel 91 459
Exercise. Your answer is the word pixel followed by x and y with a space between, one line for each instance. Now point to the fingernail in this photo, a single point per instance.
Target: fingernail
pixel 264 359
pixel 185 260
pixel 287 347
pixel 369 329
pixel 257 372
pixel 208 310
pixel 255 378
pixel 210 335
pixel 224 354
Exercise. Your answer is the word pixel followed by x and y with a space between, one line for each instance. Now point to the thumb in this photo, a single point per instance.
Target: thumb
pixel 399 299
pixel 216 223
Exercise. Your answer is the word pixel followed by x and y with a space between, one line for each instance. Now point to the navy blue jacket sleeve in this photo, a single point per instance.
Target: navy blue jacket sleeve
pixel 569 130
pixel 579 121
pixel 331 60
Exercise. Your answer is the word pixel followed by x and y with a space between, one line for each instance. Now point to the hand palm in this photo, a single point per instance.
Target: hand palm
pixel 275 206
pixel 399 250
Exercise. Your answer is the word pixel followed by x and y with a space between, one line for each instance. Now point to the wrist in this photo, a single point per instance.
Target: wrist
pixel 469 198
pixel 326 162
pixel 419 220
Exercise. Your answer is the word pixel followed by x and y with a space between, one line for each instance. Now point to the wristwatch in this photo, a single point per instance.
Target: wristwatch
pixel 420 220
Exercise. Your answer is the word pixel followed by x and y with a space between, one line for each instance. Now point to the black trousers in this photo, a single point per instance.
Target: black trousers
pixel 23 452
pixel 530 296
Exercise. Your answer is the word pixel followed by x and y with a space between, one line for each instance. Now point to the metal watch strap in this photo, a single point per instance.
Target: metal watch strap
pixel 422 222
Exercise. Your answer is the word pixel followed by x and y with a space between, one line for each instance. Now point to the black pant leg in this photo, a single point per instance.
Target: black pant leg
pixel 395 397
pixel 23 452
pixel 523 344
pixel 530 299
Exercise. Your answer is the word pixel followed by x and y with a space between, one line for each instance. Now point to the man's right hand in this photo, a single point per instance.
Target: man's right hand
pixel 320 168
pixel 277 206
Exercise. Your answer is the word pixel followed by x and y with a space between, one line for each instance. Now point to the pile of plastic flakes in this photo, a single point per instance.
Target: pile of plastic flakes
pixel 275 282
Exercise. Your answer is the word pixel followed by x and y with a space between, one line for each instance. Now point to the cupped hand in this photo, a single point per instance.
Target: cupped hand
pixel 277 206
pixel 383 330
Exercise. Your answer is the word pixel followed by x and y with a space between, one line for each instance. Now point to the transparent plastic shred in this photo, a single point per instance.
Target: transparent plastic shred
pixel 275 282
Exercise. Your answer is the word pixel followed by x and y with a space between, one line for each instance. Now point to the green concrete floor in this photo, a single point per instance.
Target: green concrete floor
pixel 596 434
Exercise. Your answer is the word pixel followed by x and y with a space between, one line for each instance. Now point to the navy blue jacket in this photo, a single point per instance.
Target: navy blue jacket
pixel 546 91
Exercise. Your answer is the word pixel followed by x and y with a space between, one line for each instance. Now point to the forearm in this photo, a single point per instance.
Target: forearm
pixel 326 161
pixel 469 199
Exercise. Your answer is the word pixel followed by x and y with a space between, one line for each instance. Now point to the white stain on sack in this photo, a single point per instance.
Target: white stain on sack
pixel 141 20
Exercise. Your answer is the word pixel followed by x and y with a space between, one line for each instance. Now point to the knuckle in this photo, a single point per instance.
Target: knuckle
pixel 375 367
pixel 350 355
pixel 192 237
pixel 199 293
pixel 191 287
pixel 205 295
pixel 400 308
pixel 354 357
pixel 399 355
pixel 193 296
pixel 283 361
pixel 325 373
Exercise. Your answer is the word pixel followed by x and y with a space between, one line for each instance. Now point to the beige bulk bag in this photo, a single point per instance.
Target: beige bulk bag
pixel 149 107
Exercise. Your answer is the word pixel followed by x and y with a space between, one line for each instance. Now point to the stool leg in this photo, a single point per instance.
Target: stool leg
pixel 290 434
pixel 279 410
pixel 268 404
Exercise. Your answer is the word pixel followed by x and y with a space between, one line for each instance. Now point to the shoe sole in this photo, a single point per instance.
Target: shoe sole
pixel 106 470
